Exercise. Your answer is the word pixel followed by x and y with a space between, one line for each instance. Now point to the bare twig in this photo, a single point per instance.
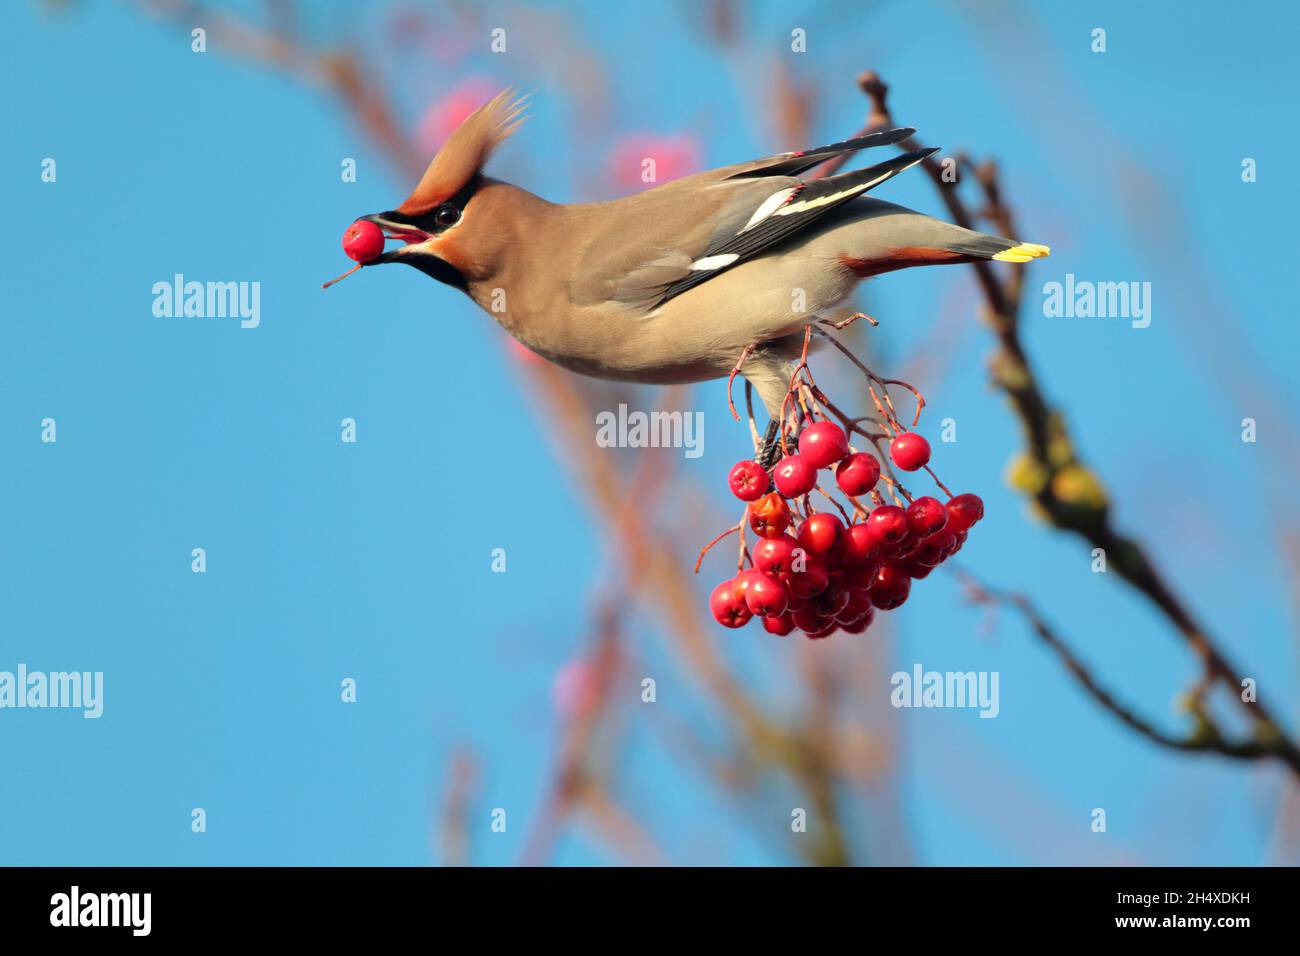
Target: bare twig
pixel 1206 737
pixel 1068 494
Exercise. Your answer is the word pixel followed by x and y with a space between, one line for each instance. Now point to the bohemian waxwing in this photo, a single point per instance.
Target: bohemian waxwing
pixel 672 284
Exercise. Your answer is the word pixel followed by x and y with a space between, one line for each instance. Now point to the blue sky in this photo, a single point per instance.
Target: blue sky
pixel 371 560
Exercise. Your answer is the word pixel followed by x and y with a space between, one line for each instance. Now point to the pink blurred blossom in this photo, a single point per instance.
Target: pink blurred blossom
pixel 443 115
pixel 522 353
pixel 576 689
pixel 674 156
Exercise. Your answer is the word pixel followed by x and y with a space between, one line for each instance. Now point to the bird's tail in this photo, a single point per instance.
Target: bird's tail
pixel 1022 252
pixel 883 237
pixel 982 246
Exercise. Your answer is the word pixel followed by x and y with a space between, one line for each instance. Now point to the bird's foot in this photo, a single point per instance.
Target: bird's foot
pixel 769 453
pixel 845 323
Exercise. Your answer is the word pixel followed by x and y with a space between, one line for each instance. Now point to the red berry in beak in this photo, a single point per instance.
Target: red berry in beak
pixel 363 241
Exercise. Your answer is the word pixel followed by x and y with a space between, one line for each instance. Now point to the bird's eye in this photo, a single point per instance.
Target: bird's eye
pixel 446 215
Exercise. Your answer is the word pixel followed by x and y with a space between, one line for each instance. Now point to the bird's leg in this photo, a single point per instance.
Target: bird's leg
pixel 770 451
pixel 735 370
pixel 772 384
pixel 845 323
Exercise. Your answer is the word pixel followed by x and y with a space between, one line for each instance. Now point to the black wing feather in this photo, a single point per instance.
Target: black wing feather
pixel 792 164
pixel 834 191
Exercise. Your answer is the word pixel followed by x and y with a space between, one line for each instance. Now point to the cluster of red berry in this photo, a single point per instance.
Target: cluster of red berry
pixel 818 573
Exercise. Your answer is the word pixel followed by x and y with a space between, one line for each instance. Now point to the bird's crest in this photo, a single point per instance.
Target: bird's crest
pixel 466 151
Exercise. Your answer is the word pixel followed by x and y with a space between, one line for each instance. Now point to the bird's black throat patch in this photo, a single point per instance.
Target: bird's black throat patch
pixel 436 268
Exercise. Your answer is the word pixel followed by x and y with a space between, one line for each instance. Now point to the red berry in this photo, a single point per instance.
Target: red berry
pixel 887 524
pixel 855 609
pixel 891 587
pixel 823 444
pixel 826 631
pixel 858 577
pixel 858 544
pixel 833 559
pixel 769 516
pixel 902 549
pixel 363 241
pixel 765 596
pixel 773 555
pixel 748 480
pixel 945 542
pixel 860 625
pixel 820 533
pixel 794 476
pixel 741 582
pixel 925 516
pixel 809 619
pixel 964 511
pixel 832 601
pixel 728 609
pixel 780 625
pixel 916 569
pixel 857 474
pixel 809 582
pixel 928 554
pixel 910 451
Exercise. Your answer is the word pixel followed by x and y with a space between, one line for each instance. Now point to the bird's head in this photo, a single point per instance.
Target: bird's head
pixel 437 222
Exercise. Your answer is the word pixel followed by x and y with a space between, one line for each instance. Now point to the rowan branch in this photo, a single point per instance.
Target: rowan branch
pixel 1206 737
pixel 1067 493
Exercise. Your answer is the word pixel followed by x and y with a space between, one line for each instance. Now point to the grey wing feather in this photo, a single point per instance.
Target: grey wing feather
pixel 688 235
pixel 806 203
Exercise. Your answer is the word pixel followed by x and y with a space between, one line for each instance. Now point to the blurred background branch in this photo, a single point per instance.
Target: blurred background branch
pixel 828 749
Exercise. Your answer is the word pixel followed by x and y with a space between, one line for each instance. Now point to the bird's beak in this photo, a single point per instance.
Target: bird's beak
pixel 396 226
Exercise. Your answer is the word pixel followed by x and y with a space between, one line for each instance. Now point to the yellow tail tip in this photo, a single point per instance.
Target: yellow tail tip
pixel 1023 252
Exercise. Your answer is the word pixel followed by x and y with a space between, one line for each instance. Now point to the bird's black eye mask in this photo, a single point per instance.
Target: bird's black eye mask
pixel 437 220
pixel 415 228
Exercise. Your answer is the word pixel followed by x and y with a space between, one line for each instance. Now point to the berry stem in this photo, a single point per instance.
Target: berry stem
pixel 942 486
pixel 839 507
pixel 705 550
pixel 344 276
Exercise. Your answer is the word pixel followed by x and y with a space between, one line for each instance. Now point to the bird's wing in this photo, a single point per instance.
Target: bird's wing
pixel 792 164
pixel 655 246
